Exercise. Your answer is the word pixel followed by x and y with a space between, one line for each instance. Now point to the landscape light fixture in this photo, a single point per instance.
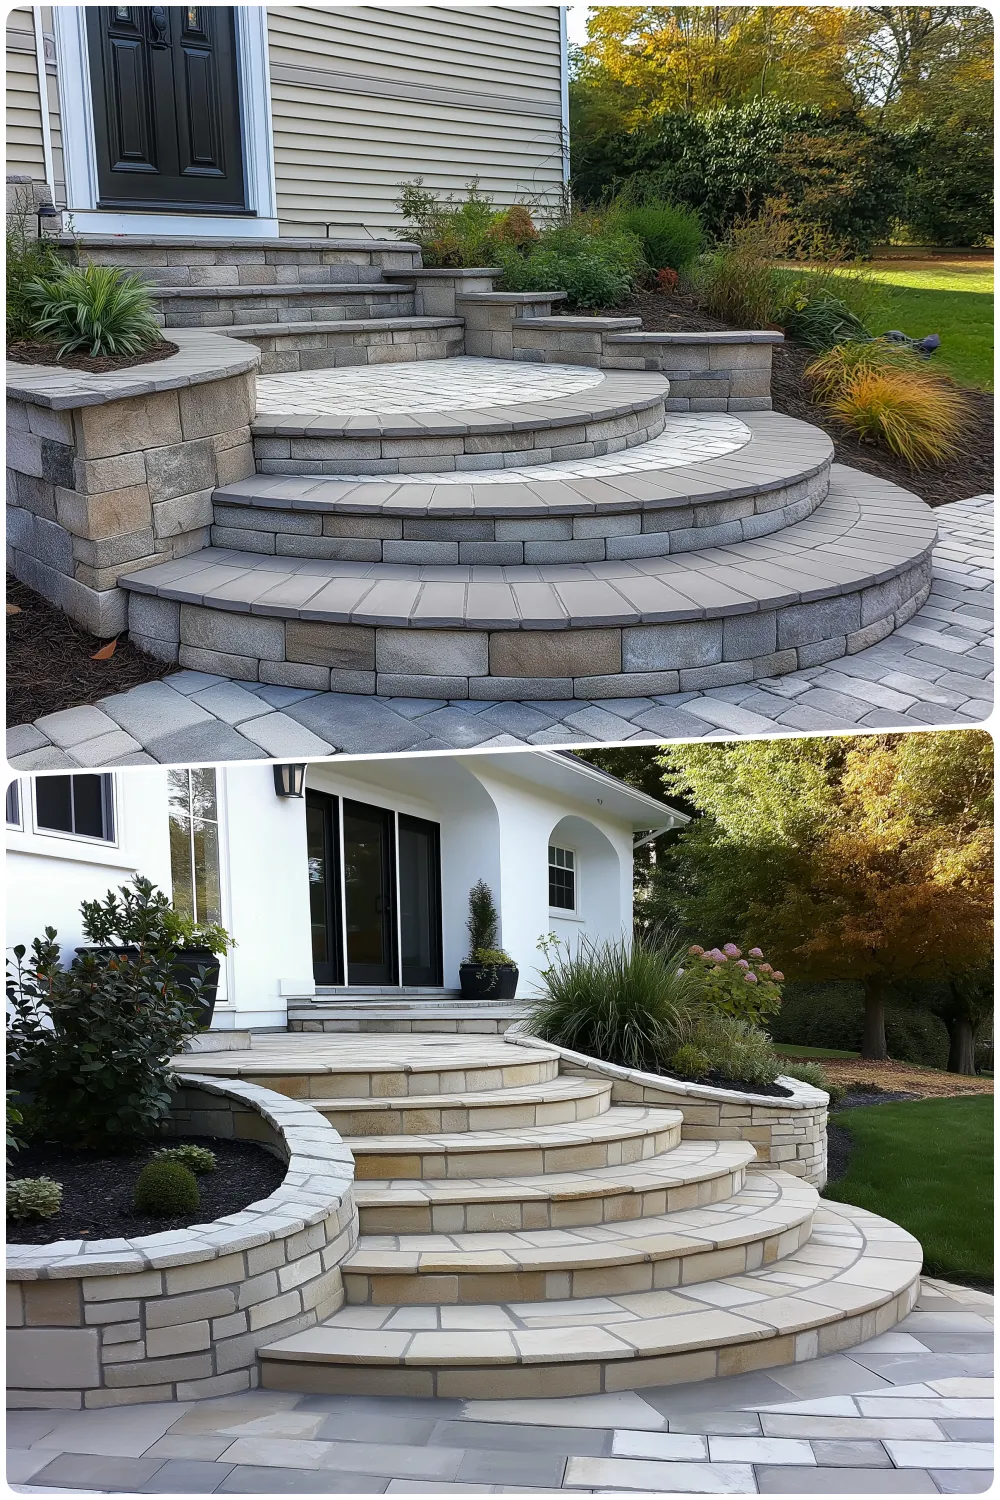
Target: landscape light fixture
pixel 289 781
pixel 46 211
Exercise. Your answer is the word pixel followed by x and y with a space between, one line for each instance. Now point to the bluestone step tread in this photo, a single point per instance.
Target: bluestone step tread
pixel 620 1122
pixel 566 1087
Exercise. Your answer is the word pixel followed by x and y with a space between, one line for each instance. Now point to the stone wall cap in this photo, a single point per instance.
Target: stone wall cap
pixel 203 355
pixel 515 299
pixel 431 273
pixel 721 336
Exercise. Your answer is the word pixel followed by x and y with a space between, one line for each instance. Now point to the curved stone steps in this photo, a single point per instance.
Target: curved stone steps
pixel 620 1134
pixel 692 1174
pixel 378 1066
pixel 855 1278
pixel 831 584
pixel 557 1102
pixel 219 306
pixel 770 1218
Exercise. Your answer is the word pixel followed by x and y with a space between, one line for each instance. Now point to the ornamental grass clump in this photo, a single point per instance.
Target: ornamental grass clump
pixel 165 1190
pixel 736 1049
pixel 812 1073
pixel 95 309
pixel 625 1003
pixel 33 1198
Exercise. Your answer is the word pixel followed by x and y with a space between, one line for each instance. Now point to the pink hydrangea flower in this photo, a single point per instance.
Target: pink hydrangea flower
pixel 756 953
pixel 778 975
pixel 742 964
pixel 717 954
pixel 731 950
pixel 696 951
pixel 750 977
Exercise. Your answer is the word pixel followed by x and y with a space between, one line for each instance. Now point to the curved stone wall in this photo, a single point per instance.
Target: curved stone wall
pixel 181 1315
pixel 787 1133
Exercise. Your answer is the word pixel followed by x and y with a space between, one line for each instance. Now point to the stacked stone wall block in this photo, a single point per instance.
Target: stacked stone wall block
pixel 181 1316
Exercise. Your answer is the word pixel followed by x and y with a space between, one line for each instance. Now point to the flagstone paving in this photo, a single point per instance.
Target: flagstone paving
pixel 935 670
pixel 910 1412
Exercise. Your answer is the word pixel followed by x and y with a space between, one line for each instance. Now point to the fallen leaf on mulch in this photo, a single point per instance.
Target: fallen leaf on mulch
pixel 106 652
pixel 13 609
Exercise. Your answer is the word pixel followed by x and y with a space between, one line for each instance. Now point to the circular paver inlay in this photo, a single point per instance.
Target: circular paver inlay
pixel 418 385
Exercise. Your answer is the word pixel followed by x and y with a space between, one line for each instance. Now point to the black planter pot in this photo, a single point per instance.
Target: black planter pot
pixel 187 963
pixel 488 981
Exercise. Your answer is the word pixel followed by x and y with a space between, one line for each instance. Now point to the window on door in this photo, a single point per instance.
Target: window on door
pixel 195 864
pixel 562 879
pixel 79 805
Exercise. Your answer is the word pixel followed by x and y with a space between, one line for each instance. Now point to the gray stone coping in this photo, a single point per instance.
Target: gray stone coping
pixel 302 289
pixel 729 336
pixel 577 323
pixel 203 355
pixel 442 273
pixel 511 299
pixel 866 532
pixel 193 242
pixel 336 325
pixel 320 1173
pixel 617 395
pixel 780 451
pixel 802 1096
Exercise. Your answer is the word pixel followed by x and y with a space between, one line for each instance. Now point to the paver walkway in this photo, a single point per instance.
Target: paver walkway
pixel 937 669
pixel 908 1413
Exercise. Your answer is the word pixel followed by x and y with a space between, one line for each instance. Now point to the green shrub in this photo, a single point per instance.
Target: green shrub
pixel 165 1189
pixel 736 1049
pixel 15 1125
pixel 449 233
pixel 29 259
pixel 691 1062
pixel 747 988
pixel 623 1003
pixel 815 1074
pixel 33 1198
pixel 832 1015
pixel 593 266
pixel 97 309
pixel 820 321
pixel 670 235
pixel 197 1159
pixel 91 1042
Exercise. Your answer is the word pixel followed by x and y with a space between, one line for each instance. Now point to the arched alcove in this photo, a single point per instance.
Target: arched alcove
pixel 597 874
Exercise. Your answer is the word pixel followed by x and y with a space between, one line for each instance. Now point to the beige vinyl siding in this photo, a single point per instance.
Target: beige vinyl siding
pixel 25 156
pixel 366 98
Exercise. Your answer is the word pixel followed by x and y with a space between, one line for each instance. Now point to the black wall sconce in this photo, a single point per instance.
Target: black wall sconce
pixel 46 213
pixel 289 781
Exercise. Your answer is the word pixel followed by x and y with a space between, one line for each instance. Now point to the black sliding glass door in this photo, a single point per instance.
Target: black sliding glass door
pixel 369 892
pixel 419 901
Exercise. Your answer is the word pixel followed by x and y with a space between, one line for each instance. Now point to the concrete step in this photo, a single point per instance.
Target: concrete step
pixel 479 1023
pixel 317 425
pixel 179 261
pixel 620 1134
pixel 380 1066
pixel 231 306
pixel 855 1278
pixel 318 345
pixel 691 1175
pixel 769 1219
pixel 556 1102
pixel 832 584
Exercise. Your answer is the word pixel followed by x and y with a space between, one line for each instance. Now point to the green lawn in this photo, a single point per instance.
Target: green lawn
pixel 929 1166
pixel 792 1049
pixel 954 299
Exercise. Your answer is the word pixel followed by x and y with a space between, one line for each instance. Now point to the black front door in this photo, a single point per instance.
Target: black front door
pixel 369 894
pixel 166 107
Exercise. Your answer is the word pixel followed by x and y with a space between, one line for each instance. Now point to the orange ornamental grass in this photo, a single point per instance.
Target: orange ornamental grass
pixel 915 416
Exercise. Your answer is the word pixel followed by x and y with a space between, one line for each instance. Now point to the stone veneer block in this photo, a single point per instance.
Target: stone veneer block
pixel 555 653
pixel 346 647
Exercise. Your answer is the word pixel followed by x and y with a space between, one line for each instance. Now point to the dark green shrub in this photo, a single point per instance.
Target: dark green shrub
pixel 622 1003
pixel 33 1198
pixel 670 235
pixel 691 1062
pixel 594 267
pixel 165 1189
pixel 197 1159
pixel 91 1042
pixel 832 1015
pixel 94 309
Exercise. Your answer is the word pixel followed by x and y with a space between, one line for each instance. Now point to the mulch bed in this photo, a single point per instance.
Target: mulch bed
pixel 98 1185
pixel 737 1085
pixel 38 352
pixel 971 473
pixel 882 1079
pixel 49 664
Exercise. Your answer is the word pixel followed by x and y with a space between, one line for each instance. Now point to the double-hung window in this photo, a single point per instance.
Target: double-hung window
pixel 79 805
pixel 562 879
pixel 195 863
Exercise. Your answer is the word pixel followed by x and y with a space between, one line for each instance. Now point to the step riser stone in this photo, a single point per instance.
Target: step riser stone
pixel 582 662
pixel 472 1028
pixel 571 1283
pixel 514 1160
pixel 437 1120
pixel 503 1382
pixel 328 305
pixel 472 453
pixel 475 1216
pixel 355 262
pixel 293 352
pixel 492 539
pixel 394 1083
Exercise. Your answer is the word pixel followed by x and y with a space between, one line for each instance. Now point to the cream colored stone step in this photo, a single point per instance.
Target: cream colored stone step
pixel 619 1135
pixel 770 1219
pixel 352 1066
pixel 855 1278
pixel 557 1102
pixel 693 1174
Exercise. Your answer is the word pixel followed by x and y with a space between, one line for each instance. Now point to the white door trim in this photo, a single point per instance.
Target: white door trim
pixel 80 154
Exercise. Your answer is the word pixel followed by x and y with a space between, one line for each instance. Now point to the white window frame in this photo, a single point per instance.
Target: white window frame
pixel 226 978
pixel 80 151
pixel 111 781
pixel 569 914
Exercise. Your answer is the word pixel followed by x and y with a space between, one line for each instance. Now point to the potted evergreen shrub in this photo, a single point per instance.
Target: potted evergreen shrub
pixel 488 973
pixel 140 917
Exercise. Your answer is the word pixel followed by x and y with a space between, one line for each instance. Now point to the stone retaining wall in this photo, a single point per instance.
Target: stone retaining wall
pixel 109 473
pixel 180 1315
pixel 787 1133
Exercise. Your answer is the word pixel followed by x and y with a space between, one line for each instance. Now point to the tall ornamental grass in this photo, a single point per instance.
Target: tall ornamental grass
pixel 96 309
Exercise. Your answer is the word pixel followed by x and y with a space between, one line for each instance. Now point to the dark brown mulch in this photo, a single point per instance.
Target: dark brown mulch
pixel 98 1185
pixel 971 473
pixel 38 352
pixel 738 1085
pixel 49 664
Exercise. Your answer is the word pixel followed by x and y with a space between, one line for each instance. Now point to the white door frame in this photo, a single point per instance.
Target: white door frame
pixel 80 153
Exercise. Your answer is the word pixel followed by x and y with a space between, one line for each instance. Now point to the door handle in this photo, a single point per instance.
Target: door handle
pixel 160 24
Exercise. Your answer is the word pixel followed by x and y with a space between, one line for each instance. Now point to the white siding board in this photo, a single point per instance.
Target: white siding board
pixel 24 120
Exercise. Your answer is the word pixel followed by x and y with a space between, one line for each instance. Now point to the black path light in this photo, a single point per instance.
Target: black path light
pixel 289 781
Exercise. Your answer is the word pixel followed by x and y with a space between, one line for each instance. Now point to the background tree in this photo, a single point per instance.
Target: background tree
pixel 853 858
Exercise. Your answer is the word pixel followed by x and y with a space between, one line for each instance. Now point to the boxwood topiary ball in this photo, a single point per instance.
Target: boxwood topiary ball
pixel 165 1189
